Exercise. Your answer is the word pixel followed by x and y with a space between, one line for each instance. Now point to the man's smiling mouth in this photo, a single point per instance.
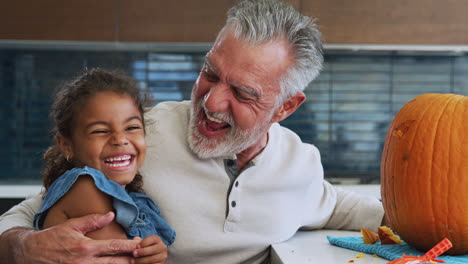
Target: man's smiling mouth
pixel 215 124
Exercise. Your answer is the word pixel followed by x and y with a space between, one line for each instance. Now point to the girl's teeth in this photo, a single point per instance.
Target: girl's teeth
pixel 125 157
pixel 114 165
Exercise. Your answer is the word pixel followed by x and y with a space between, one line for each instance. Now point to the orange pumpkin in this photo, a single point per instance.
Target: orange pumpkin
pixel 424 172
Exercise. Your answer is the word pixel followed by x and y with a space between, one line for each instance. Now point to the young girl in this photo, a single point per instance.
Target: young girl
pixel 93 167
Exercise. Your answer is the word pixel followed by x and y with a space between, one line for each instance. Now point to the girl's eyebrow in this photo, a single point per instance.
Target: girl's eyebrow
pixel 106 123
pixel 97 123
pixel 132 118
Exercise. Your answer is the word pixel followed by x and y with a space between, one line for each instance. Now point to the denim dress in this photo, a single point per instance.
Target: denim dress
pixel 135 212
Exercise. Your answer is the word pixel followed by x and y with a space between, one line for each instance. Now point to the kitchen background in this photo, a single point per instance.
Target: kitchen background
pixel 379 54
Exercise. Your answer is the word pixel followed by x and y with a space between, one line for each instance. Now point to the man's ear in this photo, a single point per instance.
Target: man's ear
pixel 65 145
pixel 288 107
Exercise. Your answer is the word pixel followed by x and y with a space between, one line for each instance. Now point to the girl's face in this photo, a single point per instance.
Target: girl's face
pixel 108 135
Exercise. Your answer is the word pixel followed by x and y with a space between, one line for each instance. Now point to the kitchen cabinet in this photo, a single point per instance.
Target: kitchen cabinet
pixel 171 21
pixel 82 20
pixel 397 22
pixel 417 22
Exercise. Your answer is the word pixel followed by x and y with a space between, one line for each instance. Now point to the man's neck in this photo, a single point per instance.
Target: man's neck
pixel 250 153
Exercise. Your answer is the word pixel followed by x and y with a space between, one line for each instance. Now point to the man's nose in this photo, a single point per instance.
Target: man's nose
pixel 218 98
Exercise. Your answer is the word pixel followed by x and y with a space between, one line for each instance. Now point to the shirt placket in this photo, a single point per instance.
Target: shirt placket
pixel 233 196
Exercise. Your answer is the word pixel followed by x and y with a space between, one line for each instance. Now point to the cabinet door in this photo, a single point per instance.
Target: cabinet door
pixel 85 20
pixel 404 22
pixel 172 21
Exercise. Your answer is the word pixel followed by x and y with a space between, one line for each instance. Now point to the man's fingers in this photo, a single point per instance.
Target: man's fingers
pixel 113 246
pixel 90 223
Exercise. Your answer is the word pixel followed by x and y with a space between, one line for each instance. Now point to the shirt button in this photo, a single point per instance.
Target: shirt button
pixel 233 203
pixel 237 184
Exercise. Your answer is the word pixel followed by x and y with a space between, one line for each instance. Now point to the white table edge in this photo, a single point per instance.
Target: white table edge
pixel 311 247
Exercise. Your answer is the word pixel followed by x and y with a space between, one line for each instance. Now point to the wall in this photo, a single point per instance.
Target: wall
pixel 341 21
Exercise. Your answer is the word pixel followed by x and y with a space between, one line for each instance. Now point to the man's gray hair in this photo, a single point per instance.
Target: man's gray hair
pixel 260 21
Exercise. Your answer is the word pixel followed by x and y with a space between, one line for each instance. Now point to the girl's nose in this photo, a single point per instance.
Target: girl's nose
pixel 119 139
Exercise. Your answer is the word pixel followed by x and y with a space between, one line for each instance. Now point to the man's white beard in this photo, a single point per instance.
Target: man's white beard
pixel 235 141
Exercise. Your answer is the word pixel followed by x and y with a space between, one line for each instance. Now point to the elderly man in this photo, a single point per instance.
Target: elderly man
pixel 227 176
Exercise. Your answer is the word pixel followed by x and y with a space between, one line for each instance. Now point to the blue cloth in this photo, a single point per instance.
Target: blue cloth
pixel 135 212
pixel 389 252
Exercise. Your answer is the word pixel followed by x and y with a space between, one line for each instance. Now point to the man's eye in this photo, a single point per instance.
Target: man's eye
pixel 210 76
pixel 242 95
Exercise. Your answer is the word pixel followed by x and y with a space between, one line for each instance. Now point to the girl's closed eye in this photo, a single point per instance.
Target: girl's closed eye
pixel 99 131
pixel 134 127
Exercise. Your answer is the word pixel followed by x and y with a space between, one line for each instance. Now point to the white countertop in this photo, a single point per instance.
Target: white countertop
pixel 18 191
pixel 312 247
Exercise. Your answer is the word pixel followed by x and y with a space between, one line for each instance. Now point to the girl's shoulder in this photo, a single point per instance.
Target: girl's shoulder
pixel 73 194
pixel 84 198
pixel 78 192
pixel 80 178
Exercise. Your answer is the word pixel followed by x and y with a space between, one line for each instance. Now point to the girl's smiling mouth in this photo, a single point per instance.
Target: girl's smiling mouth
pixel 119 161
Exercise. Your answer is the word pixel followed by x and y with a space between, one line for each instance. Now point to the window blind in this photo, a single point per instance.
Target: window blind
pixel 346 115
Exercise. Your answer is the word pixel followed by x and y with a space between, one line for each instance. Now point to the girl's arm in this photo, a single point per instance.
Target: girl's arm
pixel 82 199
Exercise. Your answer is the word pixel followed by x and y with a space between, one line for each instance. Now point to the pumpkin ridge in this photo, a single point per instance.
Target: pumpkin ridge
pixel 434 214
pixel 452 224
pixel 450 167
pixel 383 168
pixel 408 181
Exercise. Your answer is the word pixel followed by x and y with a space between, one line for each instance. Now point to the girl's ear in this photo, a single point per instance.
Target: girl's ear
pixel 288 107
pixel 65 145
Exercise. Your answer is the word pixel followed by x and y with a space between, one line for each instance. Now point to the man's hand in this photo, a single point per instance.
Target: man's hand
pixel 66 243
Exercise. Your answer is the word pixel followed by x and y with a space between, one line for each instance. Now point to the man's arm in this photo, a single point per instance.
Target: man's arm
pixel 8 249
pixel 14 225
pixel 64 243
pixel 21 215
pixel 354 211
